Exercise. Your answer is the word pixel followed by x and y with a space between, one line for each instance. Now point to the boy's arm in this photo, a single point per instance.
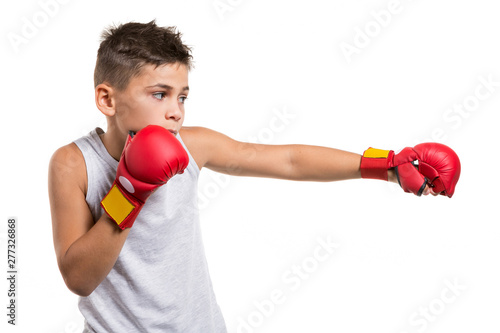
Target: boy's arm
pixel 86 251
pixel 293 162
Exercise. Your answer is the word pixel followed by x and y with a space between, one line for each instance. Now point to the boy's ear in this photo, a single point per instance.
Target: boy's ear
pixel 104 100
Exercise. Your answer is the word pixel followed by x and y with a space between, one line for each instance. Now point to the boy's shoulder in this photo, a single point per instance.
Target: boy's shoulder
pixel 203 143
pixel 67 164
pixel 201 135
pixel 68 156
pixel 196 139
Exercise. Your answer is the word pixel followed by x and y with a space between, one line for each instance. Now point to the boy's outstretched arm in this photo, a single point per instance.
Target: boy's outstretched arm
pixel 427 168
pixel 220 153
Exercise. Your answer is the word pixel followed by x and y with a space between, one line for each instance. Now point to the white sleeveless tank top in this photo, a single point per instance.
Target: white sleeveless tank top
pixel 160 281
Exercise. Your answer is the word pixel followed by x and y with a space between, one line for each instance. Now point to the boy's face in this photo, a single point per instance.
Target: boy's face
pixel 155 97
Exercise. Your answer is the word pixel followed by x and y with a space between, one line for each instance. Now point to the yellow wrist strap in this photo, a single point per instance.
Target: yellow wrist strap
pixel 376 153
pixel 117 205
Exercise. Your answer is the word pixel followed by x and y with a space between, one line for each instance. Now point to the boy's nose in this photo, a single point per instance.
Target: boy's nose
pixel 173 113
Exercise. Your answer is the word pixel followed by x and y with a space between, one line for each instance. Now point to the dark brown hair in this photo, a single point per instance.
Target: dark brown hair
pixel 126 48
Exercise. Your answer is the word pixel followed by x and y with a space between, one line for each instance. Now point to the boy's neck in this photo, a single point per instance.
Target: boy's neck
pixel 114 142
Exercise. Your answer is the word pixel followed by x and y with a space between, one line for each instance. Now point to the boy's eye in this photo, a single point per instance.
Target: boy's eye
pixel 159 95
pixel 182 99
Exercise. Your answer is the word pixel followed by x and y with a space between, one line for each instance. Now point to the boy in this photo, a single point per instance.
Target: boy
pixel 124 202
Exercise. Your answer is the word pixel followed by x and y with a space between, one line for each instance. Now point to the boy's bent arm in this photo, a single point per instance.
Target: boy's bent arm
pixel 86 251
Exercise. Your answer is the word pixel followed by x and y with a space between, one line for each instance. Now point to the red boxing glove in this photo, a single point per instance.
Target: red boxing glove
pixel 149 159
pixel 432 164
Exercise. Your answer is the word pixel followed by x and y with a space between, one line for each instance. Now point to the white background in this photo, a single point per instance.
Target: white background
pixel 397 253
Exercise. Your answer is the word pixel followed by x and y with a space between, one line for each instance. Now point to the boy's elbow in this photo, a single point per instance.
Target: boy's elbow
pixel 80 292
pixel 83 292
pixel 77 284
pixel 78 288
